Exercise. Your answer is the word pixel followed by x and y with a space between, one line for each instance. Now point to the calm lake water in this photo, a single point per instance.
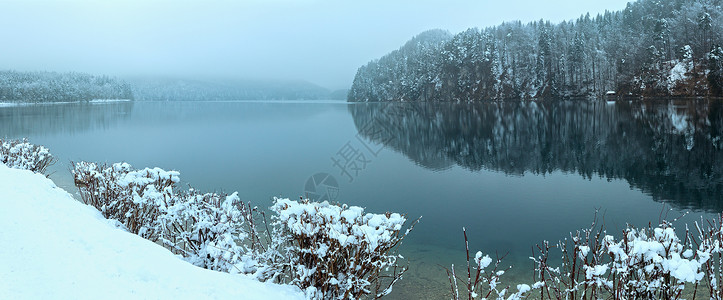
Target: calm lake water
pixel 513 174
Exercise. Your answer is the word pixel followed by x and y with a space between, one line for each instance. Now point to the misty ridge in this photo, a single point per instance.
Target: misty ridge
pixel 46 87
pixel 651 48
pixel 160 89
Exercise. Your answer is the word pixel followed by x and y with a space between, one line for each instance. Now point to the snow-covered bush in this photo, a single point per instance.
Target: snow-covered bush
pixel 329 251
pixel 338 251
pixel 133 197
pixel 205 228
pixel 651 263
pixel 480 284
pixel 578 274
pixel 20 154
pixel 709 241
pixel 648 263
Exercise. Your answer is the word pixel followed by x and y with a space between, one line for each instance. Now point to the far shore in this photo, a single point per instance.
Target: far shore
pixel 12 104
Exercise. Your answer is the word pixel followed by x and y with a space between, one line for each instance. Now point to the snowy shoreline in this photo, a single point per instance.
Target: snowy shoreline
pixel 56 247
pixel 94 101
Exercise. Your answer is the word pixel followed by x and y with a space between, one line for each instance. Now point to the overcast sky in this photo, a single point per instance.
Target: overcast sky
pixel 321 41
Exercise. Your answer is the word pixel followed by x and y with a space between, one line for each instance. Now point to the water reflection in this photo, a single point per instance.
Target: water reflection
pixel 670 150
pixel 51 119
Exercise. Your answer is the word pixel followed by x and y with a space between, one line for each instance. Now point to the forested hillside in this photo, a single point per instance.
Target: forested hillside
pixel 41 87
pixel 650 48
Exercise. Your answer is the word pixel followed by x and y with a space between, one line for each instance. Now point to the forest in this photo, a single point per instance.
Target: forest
pixel 42 87
pixel 652 48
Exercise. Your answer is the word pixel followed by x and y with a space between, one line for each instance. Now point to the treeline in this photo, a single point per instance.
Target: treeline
pixel 651 48
pixel 41 87
pixel 197 90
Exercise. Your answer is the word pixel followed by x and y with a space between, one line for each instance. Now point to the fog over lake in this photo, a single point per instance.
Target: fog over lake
pixel 320 41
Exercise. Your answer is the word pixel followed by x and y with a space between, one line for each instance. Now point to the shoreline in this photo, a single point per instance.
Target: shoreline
pixel 95 101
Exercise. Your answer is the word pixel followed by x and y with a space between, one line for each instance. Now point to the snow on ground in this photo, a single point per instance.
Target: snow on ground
pixel 54 247
pixel 94 101
pixel 108 100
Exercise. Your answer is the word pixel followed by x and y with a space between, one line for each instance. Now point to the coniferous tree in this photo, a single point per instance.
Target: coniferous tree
pixel 715 74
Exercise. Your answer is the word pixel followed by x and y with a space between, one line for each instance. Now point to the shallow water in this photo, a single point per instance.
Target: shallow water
pixel 513 174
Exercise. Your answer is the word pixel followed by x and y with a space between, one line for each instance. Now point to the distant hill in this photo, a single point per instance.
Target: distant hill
pixel 650 48
pixel 198 90
pixel 42 87
pixel 339 94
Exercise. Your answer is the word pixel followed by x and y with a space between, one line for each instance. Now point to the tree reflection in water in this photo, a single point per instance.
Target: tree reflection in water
pixel 672 150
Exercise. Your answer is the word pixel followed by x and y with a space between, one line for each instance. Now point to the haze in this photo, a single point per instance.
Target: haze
pixel 323 41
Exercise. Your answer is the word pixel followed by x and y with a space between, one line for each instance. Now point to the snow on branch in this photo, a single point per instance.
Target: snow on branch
pixel 338 251
pixel 133 197
pixel 206 228
pixel 20 154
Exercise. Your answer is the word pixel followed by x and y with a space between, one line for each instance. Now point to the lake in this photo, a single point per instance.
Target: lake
pixel 512 173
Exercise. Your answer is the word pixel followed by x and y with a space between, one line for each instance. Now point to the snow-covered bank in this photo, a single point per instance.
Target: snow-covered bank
pixel 95 101
pixel 109 100
pixel 54 247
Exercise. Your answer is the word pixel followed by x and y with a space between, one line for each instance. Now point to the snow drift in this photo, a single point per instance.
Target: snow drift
pixel 56 247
